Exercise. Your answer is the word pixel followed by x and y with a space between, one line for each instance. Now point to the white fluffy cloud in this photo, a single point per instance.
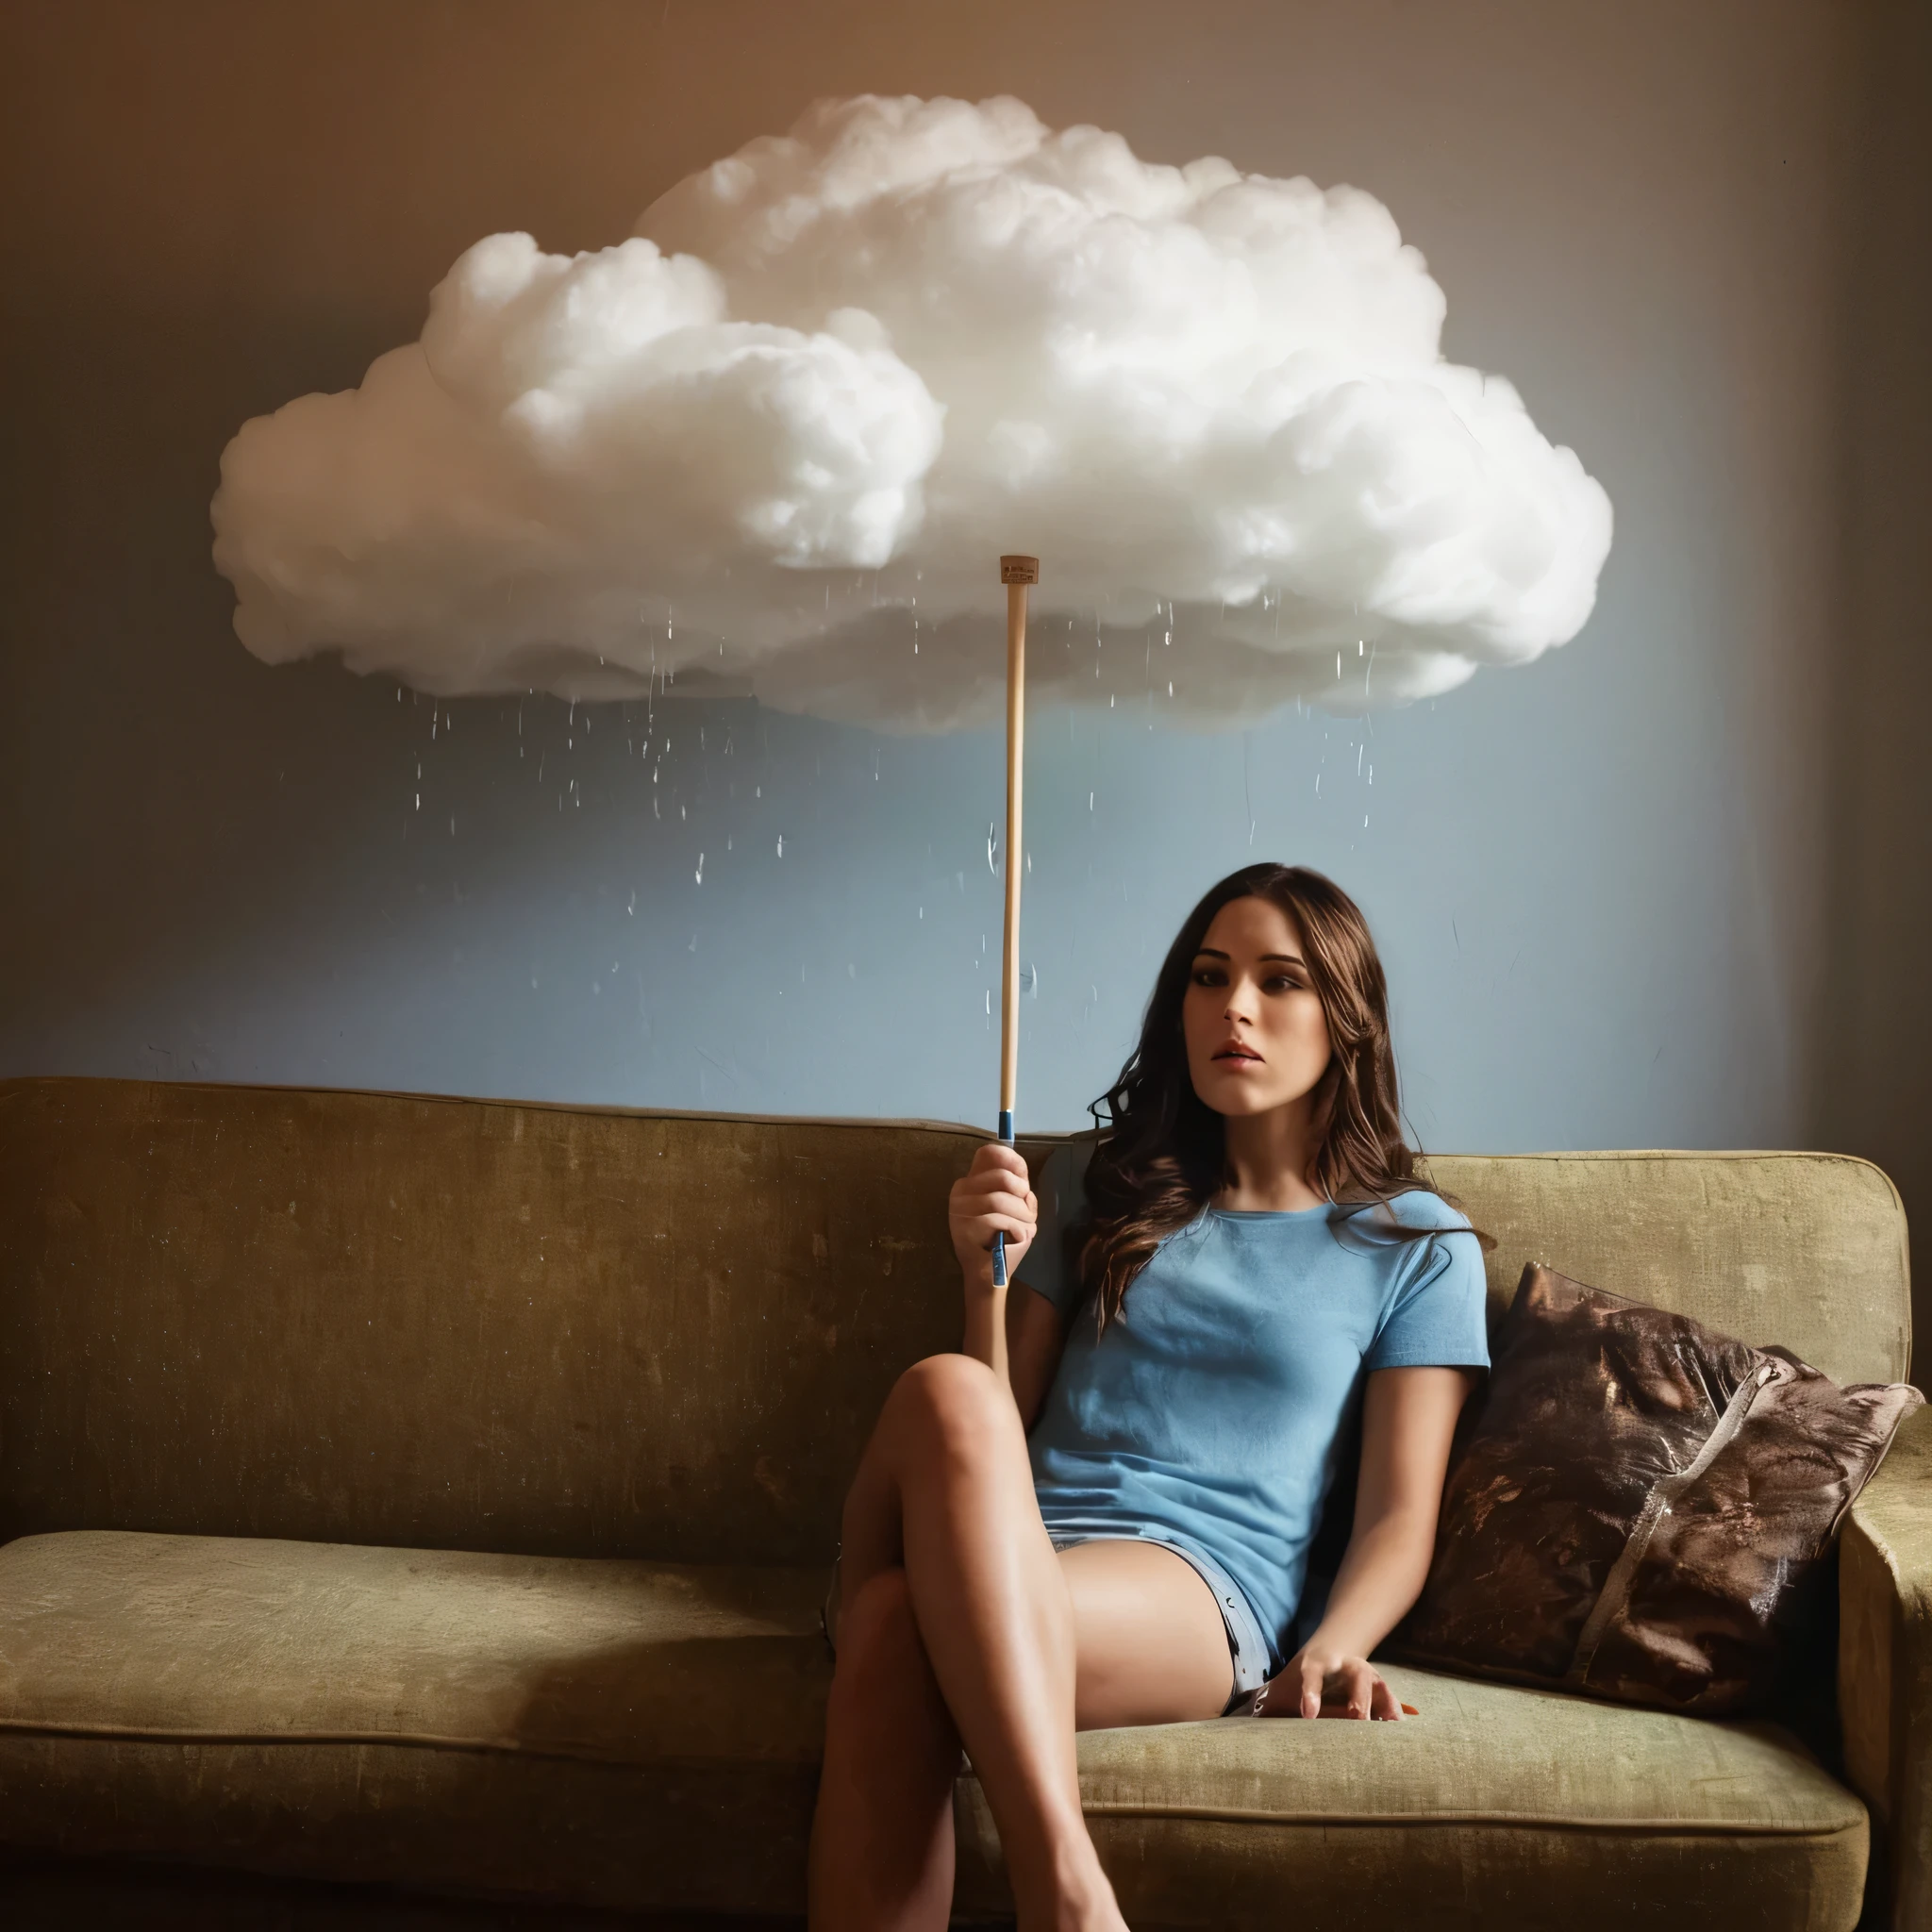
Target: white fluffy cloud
pixel 778 438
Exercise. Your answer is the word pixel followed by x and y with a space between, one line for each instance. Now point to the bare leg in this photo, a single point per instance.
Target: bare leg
pixel 882 1842
pixel 944 1495
pixel 1153 1648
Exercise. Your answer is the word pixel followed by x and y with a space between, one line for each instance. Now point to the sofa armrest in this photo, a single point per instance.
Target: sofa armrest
pixel 1885 1665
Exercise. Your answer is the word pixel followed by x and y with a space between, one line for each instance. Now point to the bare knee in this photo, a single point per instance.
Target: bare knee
pixel 955 1407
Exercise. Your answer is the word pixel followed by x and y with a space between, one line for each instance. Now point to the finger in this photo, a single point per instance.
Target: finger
pixel 1005 1208
pixel 1011 1200
pixel 1311 1688
pixel 1349 1695
pixel 1000 1201
pixel 996 1154
pixel 1382 1701
pixel 1016 1232
pixel 1361 1691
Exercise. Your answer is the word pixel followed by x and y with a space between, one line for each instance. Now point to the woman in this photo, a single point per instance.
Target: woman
pixel 1245 1270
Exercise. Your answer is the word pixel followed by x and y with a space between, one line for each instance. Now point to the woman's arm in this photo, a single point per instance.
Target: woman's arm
pixel 1015 1332
pixel 1408 1417
pixel 1034 1340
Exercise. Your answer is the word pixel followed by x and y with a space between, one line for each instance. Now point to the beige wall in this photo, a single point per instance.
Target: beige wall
pixel 1625 897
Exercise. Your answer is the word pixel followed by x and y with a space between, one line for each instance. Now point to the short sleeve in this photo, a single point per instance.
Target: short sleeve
pixel 1060 1189
pixel 1437 1317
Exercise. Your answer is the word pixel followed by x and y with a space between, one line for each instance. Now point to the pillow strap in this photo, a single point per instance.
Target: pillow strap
pixel 1615 1593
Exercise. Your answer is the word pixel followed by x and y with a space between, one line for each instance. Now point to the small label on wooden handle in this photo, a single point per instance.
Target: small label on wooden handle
pixel 1019 570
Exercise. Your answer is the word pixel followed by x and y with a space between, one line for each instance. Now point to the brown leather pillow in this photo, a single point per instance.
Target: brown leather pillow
pixel 1641 1507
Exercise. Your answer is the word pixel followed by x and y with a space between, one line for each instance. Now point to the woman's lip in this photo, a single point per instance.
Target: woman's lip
pixel 1239 1057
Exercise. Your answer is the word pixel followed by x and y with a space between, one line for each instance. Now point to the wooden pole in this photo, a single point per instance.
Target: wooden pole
pixel 1016 572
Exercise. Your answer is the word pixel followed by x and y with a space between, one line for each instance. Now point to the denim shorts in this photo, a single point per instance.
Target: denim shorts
pixel 1247 1643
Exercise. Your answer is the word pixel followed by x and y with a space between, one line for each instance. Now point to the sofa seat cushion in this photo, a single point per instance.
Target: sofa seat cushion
pixel 1495 1806
pixel 646 1736
pixel 594 1731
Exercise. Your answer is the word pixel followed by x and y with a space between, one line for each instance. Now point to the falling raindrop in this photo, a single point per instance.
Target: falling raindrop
pixel 1089 801
pixel 992 841
pixel 419 801
pixel 701 868
pixel 781 844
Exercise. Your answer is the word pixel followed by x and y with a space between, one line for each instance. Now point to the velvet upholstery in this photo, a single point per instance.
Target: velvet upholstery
pixel 322 1359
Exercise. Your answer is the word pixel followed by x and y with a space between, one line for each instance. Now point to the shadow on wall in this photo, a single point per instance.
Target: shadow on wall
pixel 1878 1084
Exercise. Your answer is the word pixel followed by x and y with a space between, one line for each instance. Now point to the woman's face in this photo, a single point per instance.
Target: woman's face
pixel 1256 1034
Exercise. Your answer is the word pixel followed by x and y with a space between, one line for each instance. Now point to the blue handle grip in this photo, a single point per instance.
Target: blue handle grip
pixel 999 1240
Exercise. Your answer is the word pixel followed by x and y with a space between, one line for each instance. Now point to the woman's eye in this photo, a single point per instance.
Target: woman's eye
pixel 1207 975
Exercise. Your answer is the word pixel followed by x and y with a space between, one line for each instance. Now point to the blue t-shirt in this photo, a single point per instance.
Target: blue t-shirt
pixel 1210 1417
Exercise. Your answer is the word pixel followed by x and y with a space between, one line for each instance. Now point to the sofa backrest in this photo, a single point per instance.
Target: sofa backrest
pixel 392 1319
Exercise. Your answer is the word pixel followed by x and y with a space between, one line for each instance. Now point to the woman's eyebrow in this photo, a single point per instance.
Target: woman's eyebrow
pixel 1285 959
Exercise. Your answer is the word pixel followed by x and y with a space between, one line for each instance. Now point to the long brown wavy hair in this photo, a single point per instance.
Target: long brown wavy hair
pixel 1163 1152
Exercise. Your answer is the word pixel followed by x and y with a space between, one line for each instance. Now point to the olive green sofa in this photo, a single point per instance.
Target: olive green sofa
pixel 437 1496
